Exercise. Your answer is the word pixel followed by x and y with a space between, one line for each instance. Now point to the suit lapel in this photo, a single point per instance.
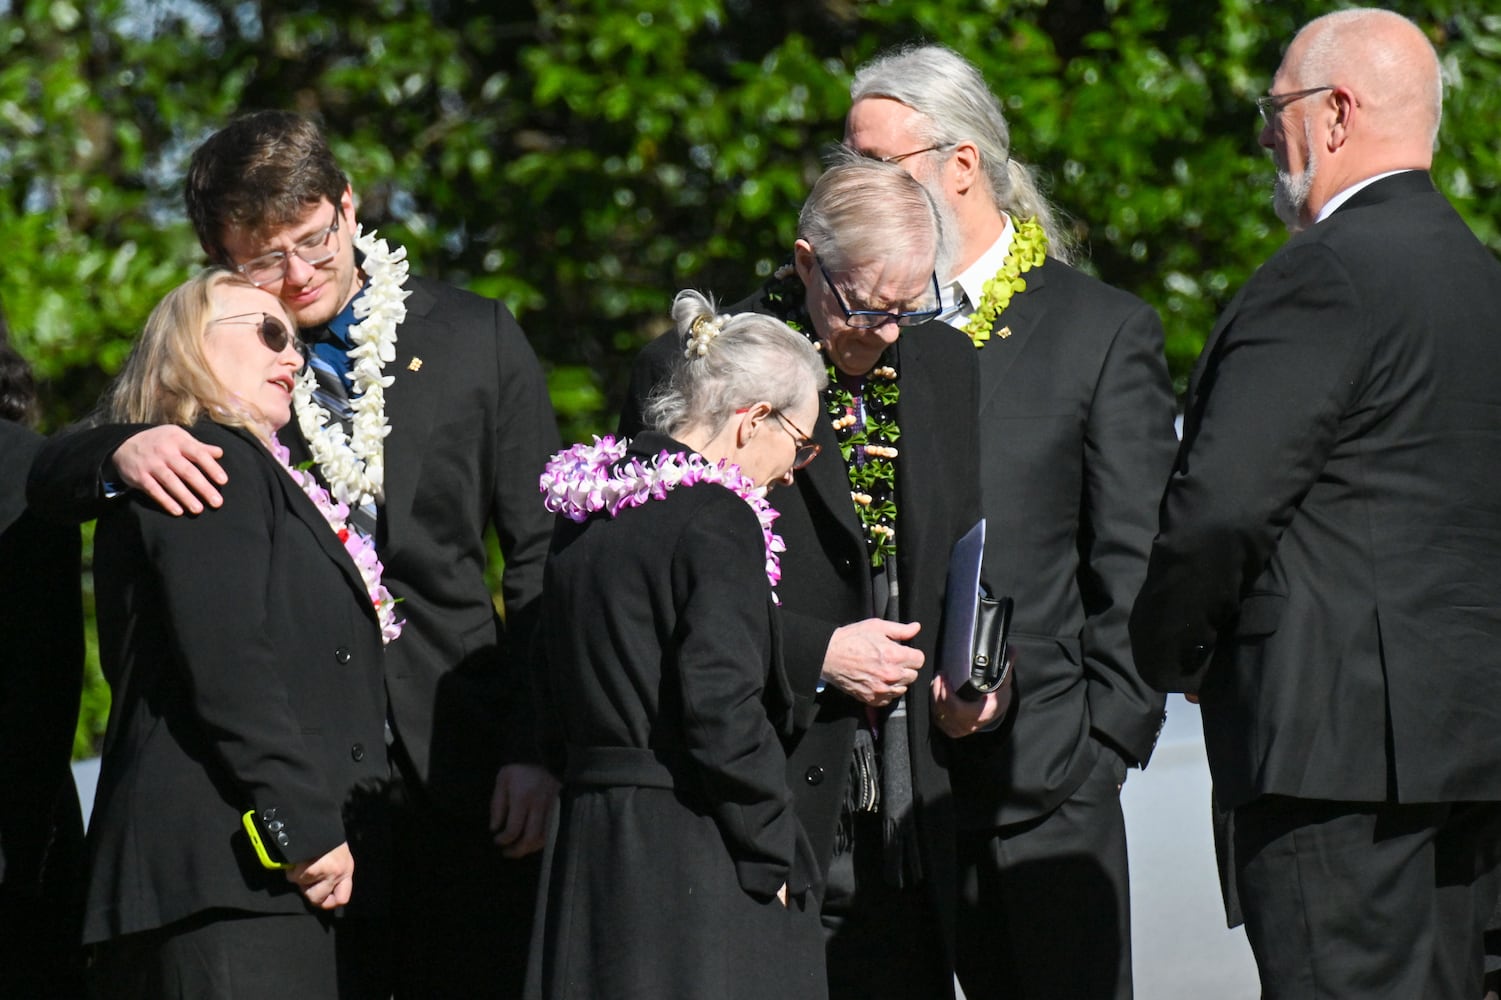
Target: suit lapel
pixel 410 402
pixel 1023 316
pixel 919 413
pixel 826 482
pixel 409 410
pixel 300 507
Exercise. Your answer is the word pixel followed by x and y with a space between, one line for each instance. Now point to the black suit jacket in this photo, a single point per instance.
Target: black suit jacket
pixel 1076 439
pixel 41 675
pixel 232 691
pixel 471 427
pixel 1330 534
pixel 826 578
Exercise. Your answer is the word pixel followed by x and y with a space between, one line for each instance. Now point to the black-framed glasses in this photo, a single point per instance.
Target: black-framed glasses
pixel 807 448
pixel 1271 105
pixel 869 319
pixel 271 267
pixel 273 332
pixel 899 157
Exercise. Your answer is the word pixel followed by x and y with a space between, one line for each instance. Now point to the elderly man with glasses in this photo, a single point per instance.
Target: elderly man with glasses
pixel 1326 573
pixel 869 527
pixel 423 409
pixel 1076 439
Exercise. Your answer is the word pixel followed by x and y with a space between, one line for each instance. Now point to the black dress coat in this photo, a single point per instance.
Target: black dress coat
pixel 244 660
pixel 826 579
pixel 41 676
pixel 1329 559
pixel 1076 442
pixel 677 826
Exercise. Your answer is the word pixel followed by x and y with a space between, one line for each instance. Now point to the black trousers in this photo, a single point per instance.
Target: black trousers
pixel 1369 900
pixel 882 943
pixel 462 911
pixel 233 953
pixel 1045 906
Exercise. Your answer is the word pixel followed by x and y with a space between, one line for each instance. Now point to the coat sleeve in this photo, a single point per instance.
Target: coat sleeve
pixel 719 585
pixel 214 578
pixel 41 674
pixel 1128 455
pixel 67 477
pixel 1264 420
pixel 527 436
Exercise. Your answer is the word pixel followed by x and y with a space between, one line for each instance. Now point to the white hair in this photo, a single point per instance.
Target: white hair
pixel 954 104
pixel 749 357
pixel 862 210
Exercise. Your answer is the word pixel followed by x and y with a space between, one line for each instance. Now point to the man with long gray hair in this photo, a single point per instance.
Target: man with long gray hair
pixel 1076 414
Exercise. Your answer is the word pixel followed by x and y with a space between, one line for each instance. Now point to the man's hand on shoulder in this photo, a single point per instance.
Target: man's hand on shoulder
pixel 172 467
pixel 524 795
pixel 869 662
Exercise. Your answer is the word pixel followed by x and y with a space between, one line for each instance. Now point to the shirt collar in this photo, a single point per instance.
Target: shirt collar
pixel 971 281
pixel 1350 192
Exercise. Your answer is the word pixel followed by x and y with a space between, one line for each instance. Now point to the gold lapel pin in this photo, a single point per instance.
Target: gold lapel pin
pixel 415 365
pixel 1003 332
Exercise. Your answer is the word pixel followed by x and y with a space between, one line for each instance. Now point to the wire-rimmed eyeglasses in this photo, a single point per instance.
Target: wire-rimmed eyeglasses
pixel 869 319
pixel 271 267
pixel 1271 105
pixel 899 157
pixel 807 448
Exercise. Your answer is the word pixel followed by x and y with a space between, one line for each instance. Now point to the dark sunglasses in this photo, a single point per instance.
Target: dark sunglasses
pixel 273 332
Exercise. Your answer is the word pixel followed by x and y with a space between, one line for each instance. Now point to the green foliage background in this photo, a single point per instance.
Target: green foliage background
pixel 583 160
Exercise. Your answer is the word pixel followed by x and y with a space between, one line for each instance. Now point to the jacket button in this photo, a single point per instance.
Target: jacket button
pixel 282 840
pixel 814 775
pixel 275 826
pixel 342 655
pixel 268 814
pixel 357 752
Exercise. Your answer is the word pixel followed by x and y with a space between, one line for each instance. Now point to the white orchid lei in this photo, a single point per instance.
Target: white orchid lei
pixel 589 478
pixel 361 549
pixel 355 468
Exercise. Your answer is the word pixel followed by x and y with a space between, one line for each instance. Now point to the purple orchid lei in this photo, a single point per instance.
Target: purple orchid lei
pixel 589 478
pixel 360 548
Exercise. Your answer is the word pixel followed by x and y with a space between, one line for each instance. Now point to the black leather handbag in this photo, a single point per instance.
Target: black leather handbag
pixel 990 665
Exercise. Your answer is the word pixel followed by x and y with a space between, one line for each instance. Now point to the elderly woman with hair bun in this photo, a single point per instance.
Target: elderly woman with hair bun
pixel 243 651
pixel 680 868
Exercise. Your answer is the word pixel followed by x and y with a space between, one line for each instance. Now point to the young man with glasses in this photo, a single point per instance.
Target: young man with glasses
pixel 425 410
pixel 1326 573
pixel 869 526
pixel 1076 439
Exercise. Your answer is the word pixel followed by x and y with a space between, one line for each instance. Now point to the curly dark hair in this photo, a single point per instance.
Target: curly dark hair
pixel 17 386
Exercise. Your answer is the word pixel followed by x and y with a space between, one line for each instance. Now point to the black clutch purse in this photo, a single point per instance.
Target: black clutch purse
pixel 990 666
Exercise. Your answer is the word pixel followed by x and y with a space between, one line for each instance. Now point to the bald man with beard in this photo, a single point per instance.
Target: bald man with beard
pixel 1327 568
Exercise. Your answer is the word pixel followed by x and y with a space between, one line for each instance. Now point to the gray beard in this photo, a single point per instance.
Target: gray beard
pixel 949 237
pixel 1290 196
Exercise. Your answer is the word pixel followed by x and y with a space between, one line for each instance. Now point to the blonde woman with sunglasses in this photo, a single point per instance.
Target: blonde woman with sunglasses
pixel 243 649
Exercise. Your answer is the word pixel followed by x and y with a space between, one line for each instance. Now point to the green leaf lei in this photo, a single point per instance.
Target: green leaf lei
pixel 1029 248
pixel 873 480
